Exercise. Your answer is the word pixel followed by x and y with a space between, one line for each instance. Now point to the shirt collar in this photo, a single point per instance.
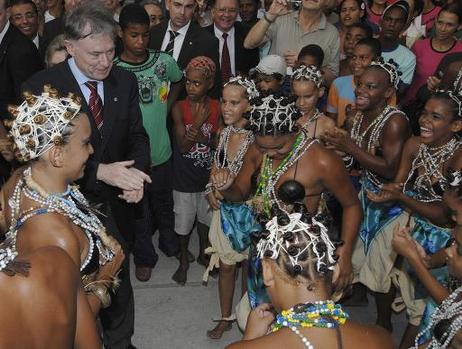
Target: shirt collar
pixel 36 40
pixel 219 33
pixel 182 30
pixel 3 32
pixel 321 25
pixel 79 76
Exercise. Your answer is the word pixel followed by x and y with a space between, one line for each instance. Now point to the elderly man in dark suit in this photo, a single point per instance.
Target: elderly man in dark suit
pixel 114 175
pixel 19 59
pixel 184 40
pixel 234 58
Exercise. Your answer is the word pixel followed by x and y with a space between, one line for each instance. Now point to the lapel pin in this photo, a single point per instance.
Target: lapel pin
pixel 190 42
pixel 115 99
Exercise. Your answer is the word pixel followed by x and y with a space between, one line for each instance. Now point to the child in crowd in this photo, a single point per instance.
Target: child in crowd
pixel 307 86
pixel 351 12
pixel 418 188
pixel 341 97
pixel 375 9
pixel 232 223
pixel 269 74
pixel 354 33
pixel 310 55
pixel 155 71
pixel 429 52
pixel 196 122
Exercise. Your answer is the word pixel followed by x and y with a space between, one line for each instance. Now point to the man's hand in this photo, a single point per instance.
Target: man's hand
pixel 278 8
pixel 258 322
pixel 290 57
pixel 122 175
pixel 132 196
pixel 345 275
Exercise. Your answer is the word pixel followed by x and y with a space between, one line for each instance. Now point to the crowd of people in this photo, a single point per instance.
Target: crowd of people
pixel 313 145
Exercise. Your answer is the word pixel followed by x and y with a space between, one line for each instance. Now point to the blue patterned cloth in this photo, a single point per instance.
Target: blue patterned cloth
pixel 376 215
pixel 432 238
pixel 238 223
pixel 255 287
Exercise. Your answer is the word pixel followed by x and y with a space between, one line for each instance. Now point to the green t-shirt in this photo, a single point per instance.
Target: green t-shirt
pixel 154 76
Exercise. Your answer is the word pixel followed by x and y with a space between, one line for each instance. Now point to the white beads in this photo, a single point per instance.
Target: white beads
pixel 305 341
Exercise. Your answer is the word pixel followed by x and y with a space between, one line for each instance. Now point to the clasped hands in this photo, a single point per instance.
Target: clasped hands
pixel 124 176
pixel 221 179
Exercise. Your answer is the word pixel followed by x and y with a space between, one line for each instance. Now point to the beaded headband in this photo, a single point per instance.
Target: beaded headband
pixel 456 97
pixel 282 236
pixel 38 123
pixel 272 115
pixel 391 68
pixel 310 73
pixel 248 85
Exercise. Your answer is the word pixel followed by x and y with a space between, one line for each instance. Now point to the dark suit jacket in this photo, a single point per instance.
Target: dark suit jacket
pixel 19 60
pixel 244 59
pixel 197 42
pixel 123 135
pixel 51 30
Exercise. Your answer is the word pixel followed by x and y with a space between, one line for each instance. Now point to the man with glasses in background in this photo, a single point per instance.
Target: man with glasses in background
pixel 235 59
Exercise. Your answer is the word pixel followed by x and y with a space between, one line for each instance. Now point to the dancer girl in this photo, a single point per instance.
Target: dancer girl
pixel 298 265
pixel 232 223
pixel 42 208
pixel 375 142
pixel 418 189
pixel 307 86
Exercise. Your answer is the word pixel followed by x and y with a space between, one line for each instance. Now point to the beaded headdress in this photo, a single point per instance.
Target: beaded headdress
pixel 456 97
pixel 38 123
pixel 284 234
pixel 248 85
pixel 310 73
pixel 391 68
pixel 272 115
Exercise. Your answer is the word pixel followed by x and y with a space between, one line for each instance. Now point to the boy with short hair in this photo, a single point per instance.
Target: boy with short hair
pixel 156 72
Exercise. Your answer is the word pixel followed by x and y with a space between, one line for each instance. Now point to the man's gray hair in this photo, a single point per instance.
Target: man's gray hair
pixel 89 18
pixel 151 2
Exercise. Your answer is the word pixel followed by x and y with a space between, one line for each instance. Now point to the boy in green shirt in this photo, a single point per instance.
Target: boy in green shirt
pixel 158 78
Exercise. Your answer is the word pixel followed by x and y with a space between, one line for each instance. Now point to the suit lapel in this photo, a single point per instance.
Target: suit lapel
pixel 111 103
pixel 188 43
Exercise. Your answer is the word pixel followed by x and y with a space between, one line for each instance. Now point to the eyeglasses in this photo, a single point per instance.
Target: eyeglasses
pixel 231 11
pixel 27 15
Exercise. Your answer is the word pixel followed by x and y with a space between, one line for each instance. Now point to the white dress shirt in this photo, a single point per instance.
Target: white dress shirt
pixel 3 32
pixel 36 41
pixel 82 79
pixel 230 42
pixel 179 39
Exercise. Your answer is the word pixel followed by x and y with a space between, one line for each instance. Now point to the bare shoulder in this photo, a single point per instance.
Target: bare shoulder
pixel 273 340
pixel 367 336
pixel 321 158
pixel 326 122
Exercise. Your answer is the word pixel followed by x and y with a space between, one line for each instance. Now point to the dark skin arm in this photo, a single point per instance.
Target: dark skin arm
pixel 436 212
pixel 335 179
pixel 395 133
pixel 175 90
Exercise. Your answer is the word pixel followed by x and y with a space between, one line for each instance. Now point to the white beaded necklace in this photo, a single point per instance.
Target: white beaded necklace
pixel 235 165
pixel 432 161
pixel 71 204
pixel 375 128
pixel 313 117
pixel 449 309
pixel 305 340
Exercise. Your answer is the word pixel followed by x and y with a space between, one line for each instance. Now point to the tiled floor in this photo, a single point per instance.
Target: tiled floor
pixel 176 317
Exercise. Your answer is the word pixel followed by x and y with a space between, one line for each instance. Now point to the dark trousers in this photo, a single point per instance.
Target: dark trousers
pixel 118 319
pixel 157 214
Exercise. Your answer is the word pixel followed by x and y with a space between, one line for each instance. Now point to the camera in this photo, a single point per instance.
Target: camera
pixel 294 5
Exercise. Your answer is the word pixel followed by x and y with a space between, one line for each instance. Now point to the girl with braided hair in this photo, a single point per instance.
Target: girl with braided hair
pixel 232 223
pixel 47 219
pixel 299 263
pixel 417 193
pixel 285 166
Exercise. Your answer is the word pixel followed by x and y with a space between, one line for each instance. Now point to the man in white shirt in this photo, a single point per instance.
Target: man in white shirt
pixel 234 58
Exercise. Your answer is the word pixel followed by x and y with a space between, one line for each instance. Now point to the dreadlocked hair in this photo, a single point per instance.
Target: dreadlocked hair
pixel 273 114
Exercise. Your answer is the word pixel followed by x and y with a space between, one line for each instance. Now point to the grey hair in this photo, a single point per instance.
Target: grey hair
pixel 57 44
pixel 150 2
pixel 89 18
